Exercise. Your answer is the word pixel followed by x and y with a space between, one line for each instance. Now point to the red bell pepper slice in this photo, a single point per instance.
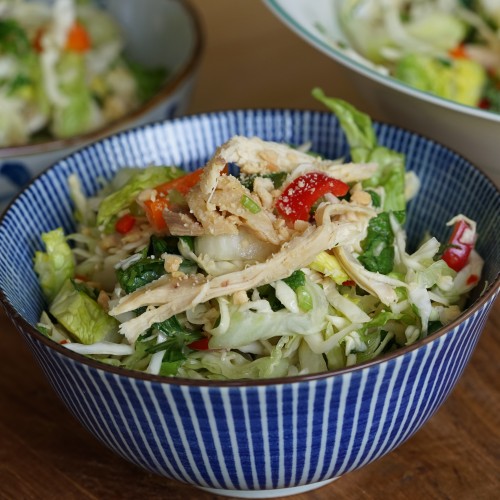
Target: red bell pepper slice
pixel 459 247
pixel 125 224
pixel 299 196
pixel 200 344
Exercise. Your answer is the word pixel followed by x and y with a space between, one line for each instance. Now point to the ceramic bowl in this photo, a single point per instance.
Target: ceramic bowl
pixel 470 131
pixel 262 438
pixel 164 33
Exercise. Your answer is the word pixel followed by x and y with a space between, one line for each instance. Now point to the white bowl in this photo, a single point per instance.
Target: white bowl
pixel 163 33
pixel 470 131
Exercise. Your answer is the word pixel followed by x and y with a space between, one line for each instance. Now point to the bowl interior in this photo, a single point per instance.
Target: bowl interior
pixel 157 32
pixel 449 184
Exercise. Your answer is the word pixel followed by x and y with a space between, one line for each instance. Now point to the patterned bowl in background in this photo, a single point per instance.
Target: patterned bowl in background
pixel 157 33
pixel 261 438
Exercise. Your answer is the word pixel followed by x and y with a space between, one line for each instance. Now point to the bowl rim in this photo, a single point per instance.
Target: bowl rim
pixel 490 292
pixel 173 83
pixel 278 8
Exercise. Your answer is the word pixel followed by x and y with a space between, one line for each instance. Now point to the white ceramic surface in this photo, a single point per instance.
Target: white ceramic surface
pixel 472 132
pixel 158 33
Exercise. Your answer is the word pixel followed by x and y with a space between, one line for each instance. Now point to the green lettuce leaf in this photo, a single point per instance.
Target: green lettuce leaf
pixel 361 137
pixel 56 265
pixel 82 316
pixel 356 125
pixel 142 179
pixel 78 114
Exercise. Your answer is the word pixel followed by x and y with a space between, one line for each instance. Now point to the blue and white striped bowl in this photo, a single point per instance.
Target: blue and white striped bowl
pixel 273 437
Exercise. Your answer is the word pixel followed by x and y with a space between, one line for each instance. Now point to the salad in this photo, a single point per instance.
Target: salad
pixel 268 261
pixel 450 48
pixel 62 71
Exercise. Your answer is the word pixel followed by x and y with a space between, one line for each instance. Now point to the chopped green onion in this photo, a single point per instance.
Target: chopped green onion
pixel 250 204
pixel 304 299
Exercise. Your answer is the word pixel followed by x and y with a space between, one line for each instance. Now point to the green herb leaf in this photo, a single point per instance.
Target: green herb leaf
pixel 296 280
pixel 140 273
pixel 13 38
pixel 378 249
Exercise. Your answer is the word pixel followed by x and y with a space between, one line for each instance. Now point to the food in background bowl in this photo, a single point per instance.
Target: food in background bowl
pixel 171 45
pixel 295 265
pixel 451 49
pixel 259 437
pixel 64 72
pixel 471 131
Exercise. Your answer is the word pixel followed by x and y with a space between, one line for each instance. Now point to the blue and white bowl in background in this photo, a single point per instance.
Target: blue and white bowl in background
pixel 261 438
pixel 158 33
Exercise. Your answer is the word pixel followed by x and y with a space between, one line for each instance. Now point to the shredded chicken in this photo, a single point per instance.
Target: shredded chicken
pixel 376 284
pixel 216 208
pixel 255 156
pixel 216 202
pixel 182 224
pixel 174 295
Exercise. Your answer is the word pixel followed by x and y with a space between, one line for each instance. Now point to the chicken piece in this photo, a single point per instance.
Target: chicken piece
pixel 216 202
pixel 255 156
pixel 182 224
pixel 174 295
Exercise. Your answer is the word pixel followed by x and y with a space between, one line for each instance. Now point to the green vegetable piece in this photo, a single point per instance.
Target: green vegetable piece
pixel 56 265
pixel 140 273
pixel 159 245
pixel 277 178
pixel 82 316
pixel 442 30
pixel 390 175
pixel 460 80
pixel 364 148
pixel 175 346
pixel 356 125
pixel 304 299
pixel 378 249
pixel 13 39
pixel 328 265
pixel 77 114
pixel 251 205
pixel 376 201
pixel 142 179
pixel 296 279
pixel 149 80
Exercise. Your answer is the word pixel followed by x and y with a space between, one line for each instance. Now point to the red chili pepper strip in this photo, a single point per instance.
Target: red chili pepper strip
pixel 200 344
pixel 458 52
pixel 459 249
pixel 473 278
pixel 349 283
pixel 299 196
pixel 125 224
